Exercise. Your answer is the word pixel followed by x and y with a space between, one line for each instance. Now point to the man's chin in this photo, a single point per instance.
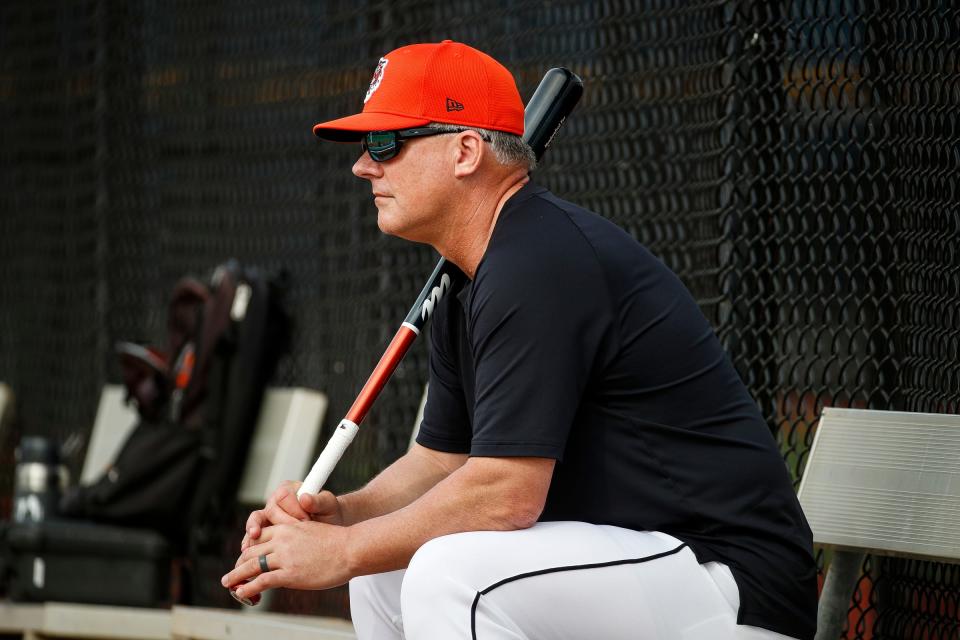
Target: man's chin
pixel 388 225
pixel 383 223
pixel 391 228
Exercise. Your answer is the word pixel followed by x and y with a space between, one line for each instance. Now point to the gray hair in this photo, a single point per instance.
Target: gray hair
pixel 509 149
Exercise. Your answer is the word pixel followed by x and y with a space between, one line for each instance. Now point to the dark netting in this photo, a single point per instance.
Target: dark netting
pixel 795 162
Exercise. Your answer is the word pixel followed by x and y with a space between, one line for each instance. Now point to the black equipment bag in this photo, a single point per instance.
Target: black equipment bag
pixel 176 476
pixel 147 485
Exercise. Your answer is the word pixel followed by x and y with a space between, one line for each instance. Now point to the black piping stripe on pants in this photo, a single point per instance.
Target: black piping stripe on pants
pixel 613 563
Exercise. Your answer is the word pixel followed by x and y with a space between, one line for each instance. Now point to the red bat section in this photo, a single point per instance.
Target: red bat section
pixel 388 363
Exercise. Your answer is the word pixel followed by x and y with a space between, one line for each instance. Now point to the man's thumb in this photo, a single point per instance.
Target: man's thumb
pixel 310 502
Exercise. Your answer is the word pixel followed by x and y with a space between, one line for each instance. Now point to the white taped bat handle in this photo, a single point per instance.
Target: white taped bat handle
pixel 329 457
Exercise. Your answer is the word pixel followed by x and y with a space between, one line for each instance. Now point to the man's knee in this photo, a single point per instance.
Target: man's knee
pixel 363 589
pixel 437 564
pixel 439 582
pixel 375 605
pixel 380 588
pixel 465 562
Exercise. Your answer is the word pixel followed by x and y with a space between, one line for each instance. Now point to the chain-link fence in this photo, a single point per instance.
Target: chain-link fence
pixel 795 162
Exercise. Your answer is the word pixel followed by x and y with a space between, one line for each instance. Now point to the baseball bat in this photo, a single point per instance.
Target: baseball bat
pixel 548 107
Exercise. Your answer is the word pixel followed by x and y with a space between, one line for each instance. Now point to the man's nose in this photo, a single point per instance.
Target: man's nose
pixel 366 168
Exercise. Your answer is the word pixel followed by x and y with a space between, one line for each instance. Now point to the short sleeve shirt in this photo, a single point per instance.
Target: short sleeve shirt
pixel 574 342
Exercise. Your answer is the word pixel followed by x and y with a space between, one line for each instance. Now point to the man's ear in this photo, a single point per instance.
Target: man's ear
pixel 469 153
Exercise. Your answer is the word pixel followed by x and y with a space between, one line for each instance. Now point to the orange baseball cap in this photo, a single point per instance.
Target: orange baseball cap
pixel 446 82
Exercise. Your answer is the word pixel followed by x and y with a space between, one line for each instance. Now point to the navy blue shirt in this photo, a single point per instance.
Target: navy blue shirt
pixel 573 342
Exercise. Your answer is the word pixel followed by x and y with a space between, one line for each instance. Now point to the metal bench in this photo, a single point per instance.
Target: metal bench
pixel 98 622
pixel 884 483
pixel 67 620
pixel 194 623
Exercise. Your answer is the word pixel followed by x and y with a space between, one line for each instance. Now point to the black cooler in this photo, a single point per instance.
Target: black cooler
pixel 73 561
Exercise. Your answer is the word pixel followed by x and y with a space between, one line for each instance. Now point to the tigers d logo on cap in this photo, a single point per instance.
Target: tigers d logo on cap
pixel 377 77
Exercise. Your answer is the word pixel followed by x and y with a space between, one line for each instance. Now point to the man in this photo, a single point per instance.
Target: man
pixel 589 463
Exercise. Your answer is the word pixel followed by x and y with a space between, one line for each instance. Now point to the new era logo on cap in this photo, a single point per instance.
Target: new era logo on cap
pixel 453 105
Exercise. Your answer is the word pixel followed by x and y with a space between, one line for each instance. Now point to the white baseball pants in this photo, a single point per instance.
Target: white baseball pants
pixel 554 581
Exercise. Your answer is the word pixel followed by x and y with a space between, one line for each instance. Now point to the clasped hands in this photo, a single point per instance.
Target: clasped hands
pixel 303 539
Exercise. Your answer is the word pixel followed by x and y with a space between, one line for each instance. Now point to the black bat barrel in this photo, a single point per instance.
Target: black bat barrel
pixel 549 106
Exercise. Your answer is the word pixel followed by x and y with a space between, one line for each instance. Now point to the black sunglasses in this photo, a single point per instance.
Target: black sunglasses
pixel 385 145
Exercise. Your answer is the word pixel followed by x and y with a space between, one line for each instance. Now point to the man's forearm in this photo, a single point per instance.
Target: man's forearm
pixel 482 495
pixel 407 479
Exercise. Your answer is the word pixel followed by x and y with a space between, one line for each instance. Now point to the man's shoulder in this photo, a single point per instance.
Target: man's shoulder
pixel 534 200
pixel 542 228
pixel 538 258
pixel 534 239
